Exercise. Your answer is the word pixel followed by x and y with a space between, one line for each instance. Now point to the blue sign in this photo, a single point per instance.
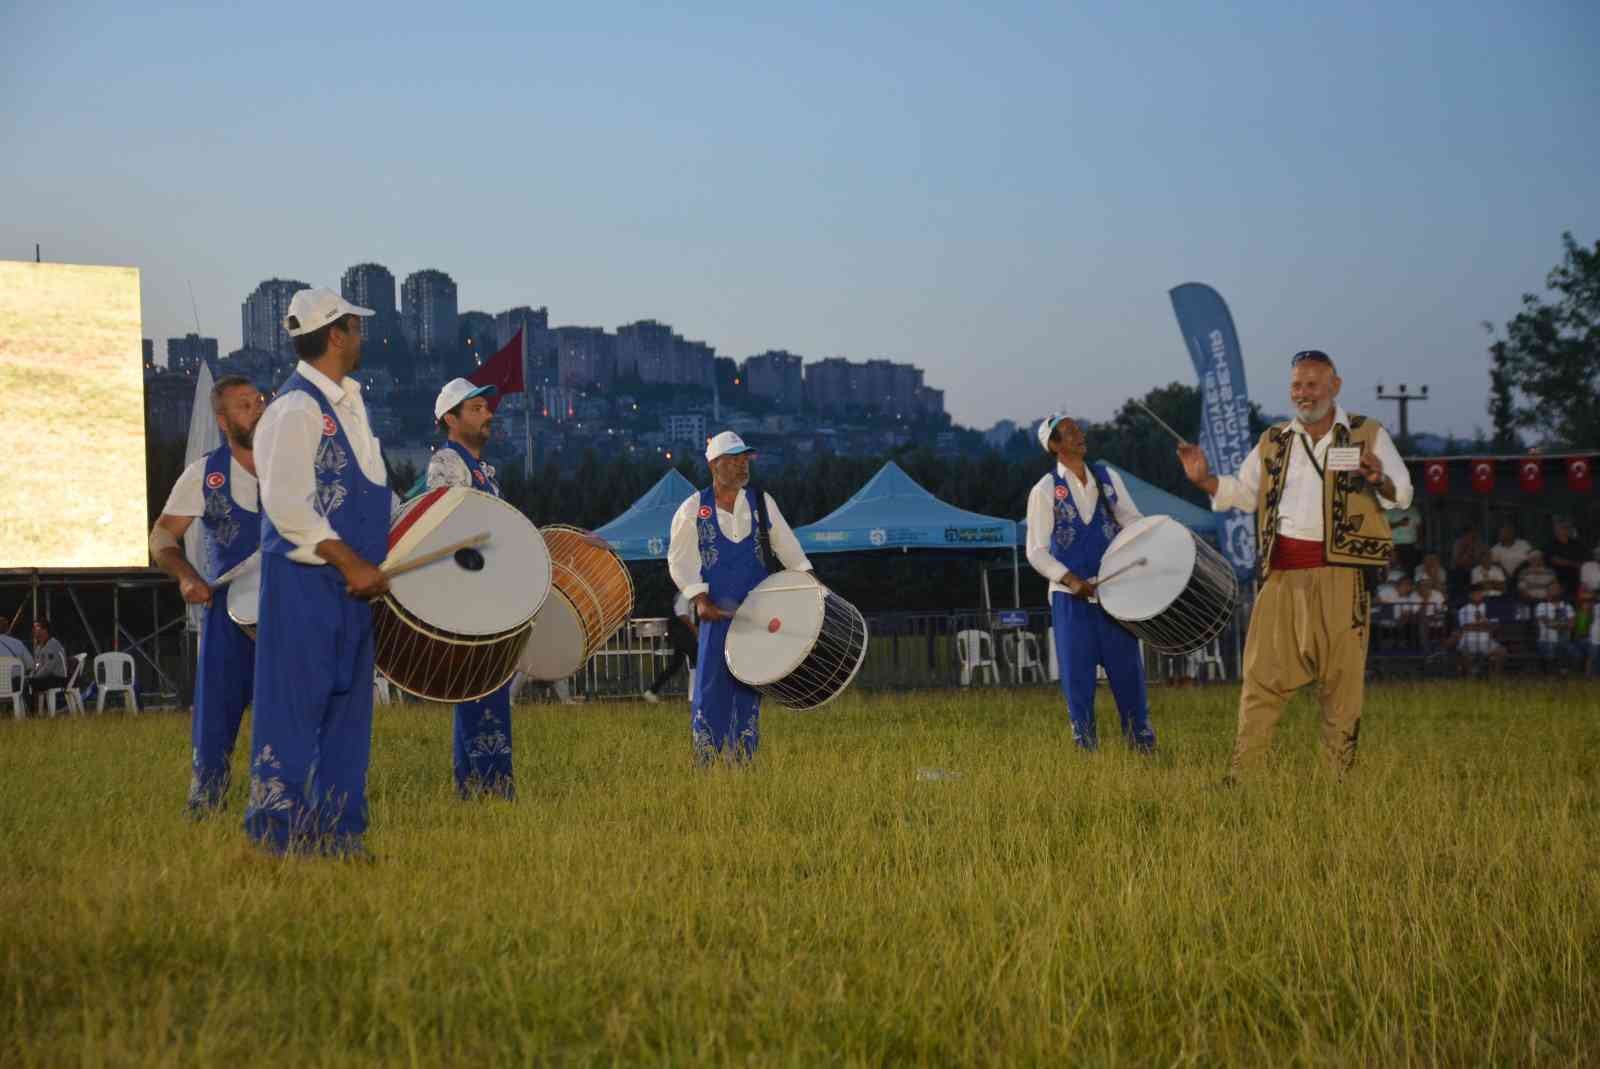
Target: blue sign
pixel 1013 618
pixel 1213 344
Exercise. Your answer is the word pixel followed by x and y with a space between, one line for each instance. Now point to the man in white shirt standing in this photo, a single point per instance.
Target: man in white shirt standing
pixel 325 528
pixel 722 542
pixel 220 490
pixel 1074 512
pixel 1321 484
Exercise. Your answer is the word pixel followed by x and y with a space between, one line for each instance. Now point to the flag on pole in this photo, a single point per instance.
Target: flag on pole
pixel 1436 476
pixel 1580 475
pixel 503 371
pixel 1483 476
pixel 1530 473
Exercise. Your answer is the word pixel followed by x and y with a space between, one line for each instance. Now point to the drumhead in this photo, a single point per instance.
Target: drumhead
pixel 1145 591
pixel 557 642
pixel 775 628
pixel 512 578
pixel 244 598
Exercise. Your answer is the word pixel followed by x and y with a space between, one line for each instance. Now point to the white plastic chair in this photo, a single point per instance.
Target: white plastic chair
pixel 1052 662
pixel 74 697
pixel 381 694
pixel 11 671
pixel 1022 653
pixel 970 647
pixel 113 672
pixel 1208 661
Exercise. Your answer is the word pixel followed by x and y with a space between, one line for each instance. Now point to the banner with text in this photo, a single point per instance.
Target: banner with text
pixel 1207 328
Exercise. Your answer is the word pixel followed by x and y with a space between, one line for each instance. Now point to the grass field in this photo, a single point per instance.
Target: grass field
pixel 831 906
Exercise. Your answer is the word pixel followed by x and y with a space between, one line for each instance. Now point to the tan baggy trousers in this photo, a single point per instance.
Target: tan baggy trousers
pixel 1309 624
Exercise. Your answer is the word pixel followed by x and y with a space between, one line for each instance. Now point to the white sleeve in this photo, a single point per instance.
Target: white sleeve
pixel 188 496
pixel 286 443
pixel 1239 491
pixel 784 543
pixel 683 550
pixel 1126 511
pixel 446 468
pixel 1041 524
pixel 1395 468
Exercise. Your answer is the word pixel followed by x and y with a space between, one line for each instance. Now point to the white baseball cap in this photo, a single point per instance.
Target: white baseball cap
pixel 726 444
pixel 457 390
pixel 314 309
pixel 1047 425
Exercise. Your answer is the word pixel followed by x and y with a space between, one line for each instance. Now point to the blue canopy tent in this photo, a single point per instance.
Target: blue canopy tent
pixel 641 533
pixel 893 511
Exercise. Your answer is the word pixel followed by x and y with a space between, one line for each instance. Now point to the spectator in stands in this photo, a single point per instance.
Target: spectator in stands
pixel 1564 555
pixel 1511 552
pixel 1434 605
pixel 1397 566
pixel 1477 634
pixel 1535 579
pixel 1384 612
pixel 1557 619
pixel 1408 610
pixel 1589 574
pixel 1592 663
pixel 1406 525
pixel 1489 575
pixel 1464 553
pixel 49 663
pixel 1431 570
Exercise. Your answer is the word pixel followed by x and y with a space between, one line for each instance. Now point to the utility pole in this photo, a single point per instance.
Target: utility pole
pixel 1404 398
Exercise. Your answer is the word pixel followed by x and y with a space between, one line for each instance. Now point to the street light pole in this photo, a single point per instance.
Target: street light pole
pixel 1404 397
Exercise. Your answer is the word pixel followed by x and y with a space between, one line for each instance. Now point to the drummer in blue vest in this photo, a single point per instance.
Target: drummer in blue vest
pixel 483 727
pixel 1073 514
pixel 220 490
pixel 723 540
pixel 325 508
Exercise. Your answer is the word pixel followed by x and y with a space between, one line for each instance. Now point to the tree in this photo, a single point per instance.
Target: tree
pixel 1550 355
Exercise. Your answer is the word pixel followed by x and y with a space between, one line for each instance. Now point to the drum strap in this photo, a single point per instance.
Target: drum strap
pixel 758 499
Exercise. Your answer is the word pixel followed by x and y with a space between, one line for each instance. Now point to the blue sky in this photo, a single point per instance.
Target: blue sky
pixel 1002 196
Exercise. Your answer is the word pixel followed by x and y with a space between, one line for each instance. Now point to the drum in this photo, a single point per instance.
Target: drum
pixel 796 641
pixel 592 596
pixel 244 597
pixel 452 630
pixel 1180 598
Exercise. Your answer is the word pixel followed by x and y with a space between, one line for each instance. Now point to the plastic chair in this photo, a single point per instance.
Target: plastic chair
pixel 970 647
pixel 1208 661
pixel 1022 653
pixel 11 671
pixel 74 697
pixel 113 672
pixel 381 695
pixel 1052 662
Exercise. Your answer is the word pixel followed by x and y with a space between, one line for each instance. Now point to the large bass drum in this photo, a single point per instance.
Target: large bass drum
pixel 1182 594
pixel 796 641
pixel 591 598
pixel 452 630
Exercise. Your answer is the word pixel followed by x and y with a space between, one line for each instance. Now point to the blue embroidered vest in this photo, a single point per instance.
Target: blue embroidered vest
pixel 482 474
pixel 732 569
pixel 1080 541
pixel 232 532
pixel 356 507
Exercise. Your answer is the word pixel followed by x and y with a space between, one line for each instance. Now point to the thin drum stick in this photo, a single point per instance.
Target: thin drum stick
pixel 1181 439
pixel 392 570
pixel 1130 566
pixel 16 617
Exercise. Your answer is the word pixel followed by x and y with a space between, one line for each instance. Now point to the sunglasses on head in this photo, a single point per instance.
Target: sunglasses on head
pixel 1314 355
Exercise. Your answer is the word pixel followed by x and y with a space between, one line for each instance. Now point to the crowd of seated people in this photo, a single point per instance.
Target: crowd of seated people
pixel 1495 601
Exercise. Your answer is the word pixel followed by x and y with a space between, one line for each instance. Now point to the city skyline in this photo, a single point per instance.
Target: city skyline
pixel 1001 200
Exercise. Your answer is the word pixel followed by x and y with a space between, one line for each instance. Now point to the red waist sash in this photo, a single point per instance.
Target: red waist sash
pixel 1291 553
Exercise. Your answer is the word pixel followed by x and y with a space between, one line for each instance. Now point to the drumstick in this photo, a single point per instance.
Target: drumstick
pixel 1158 419
pixel 250 563
pixel 1130 566
pixel 392 570
pixel 16 617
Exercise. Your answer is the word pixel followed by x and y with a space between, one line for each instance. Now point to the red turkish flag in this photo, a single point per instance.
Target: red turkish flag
pixel 1436 476
pixel 1530 473
pixel 1483 476
pixel 1580 474
pixel 503 371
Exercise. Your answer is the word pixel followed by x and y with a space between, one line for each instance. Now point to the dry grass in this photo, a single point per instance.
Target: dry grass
pixel 829 906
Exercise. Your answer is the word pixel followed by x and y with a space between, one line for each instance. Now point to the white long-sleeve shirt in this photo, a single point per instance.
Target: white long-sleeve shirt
pixel 1300 511
pixel 1042 517
pixel 188 496
pixel 683 553
pixel 286 443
